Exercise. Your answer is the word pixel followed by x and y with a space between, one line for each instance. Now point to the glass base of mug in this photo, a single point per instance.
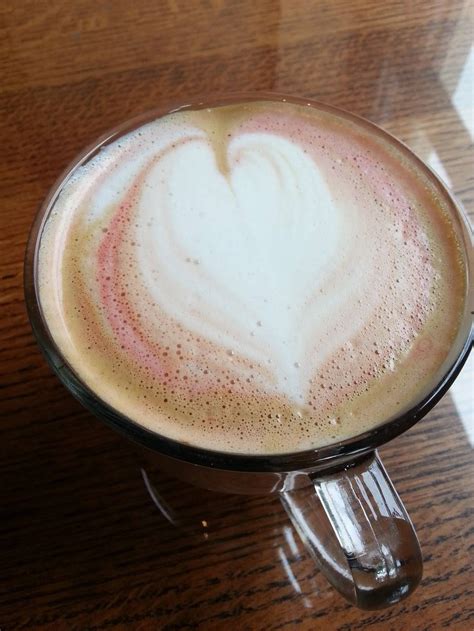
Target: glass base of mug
pixel 205 514
pixel 196 525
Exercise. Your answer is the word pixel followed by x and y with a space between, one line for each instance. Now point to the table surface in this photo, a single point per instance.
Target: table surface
pixel 82 545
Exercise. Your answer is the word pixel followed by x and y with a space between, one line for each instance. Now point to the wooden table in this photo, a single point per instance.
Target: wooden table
pixel 82 545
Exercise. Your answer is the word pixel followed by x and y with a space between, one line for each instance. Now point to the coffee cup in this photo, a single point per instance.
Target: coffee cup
pixel 317 449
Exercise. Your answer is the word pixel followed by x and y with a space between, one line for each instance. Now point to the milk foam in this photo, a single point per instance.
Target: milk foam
pixel 259 278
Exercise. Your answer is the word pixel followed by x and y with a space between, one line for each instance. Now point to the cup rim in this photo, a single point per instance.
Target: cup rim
pixel 311 459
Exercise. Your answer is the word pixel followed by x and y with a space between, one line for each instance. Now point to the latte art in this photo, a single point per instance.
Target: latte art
pixel 256 278
pixel 228 272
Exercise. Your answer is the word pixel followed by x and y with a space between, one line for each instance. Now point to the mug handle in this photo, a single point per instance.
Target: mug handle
pixel 356 528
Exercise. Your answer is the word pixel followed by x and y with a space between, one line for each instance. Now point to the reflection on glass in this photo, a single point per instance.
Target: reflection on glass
pixel 288 571
pixel 293 555
pixel 463 96
pixel 435 163
pixel 463 398
pixel 290 540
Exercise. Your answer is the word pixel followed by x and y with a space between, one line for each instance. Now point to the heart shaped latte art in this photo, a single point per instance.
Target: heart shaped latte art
pixel 236 258
pixel 251 279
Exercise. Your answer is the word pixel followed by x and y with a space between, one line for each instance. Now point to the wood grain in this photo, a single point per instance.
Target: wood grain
pixel 82 545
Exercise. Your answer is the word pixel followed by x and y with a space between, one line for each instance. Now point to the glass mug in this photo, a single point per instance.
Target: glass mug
pixel 338 497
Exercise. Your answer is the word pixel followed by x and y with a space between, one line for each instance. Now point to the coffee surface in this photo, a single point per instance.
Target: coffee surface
pixel 263 277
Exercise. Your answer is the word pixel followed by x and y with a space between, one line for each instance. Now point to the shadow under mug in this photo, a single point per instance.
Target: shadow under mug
pixel 338 497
